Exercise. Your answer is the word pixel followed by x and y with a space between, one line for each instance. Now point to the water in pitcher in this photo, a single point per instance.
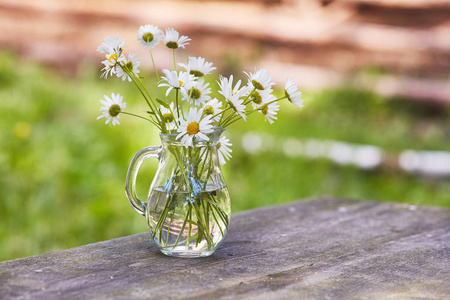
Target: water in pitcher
pixel 188 225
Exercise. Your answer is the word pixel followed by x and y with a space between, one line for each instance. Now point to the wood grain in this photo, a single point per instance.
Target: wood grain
pixel 318 249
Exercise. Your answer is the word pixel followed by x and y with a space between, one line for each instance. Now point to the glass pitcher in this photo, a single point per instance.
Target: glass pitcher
pixel 188 205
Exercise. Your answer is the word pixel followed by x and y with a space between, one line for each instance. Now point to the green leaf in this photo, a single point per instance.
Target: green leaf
pixel 162 103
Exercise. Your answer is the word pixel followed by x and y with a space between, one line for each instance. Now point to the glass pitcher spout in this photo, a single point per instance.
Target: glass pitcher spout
pixel 188 206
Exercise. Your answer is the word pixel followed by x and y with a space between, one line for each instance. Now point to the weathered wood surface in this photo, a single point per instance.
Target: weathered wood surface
pixel 321 249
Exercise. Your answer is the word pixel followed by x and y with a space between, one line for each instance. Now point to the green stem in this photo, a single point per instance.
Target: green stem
pixel 179 107
pixel 176 104
pixel 232 121
pixel 188 240
pixel 248 96
pixel 207 176
pixel 138 116
pixel 221 117
pixel 182 169
pixel 217 221
pixel 182 227
pixel 190 95
pixel 157 200
pixel 278 99
pixel 174 64
pixel 222 112
pixel 154 65
pixel 134 115
pixel 227 119
pixel 133 77
pixel 141 89
pixel 143 86
pixel 219 210
pixel 206 210
pixel 168 227
pixel 205 227
pixel 159 226
pixel 204 161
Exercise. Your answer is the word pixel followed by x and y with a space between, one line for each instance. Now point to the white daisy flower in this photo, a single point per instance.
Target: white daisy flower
pixel 112 45
pixel 131 64
pixel 199 93
pixel 224 150
pixel 292 93
pixel 232 95
pixel 173 80
pixel 237 105
pixel 227 90
pixel 259 97
pixel 194 127
pixel 260 80
pixel 212 107
pixel 168 114
pixel 270 110
pixel 149 36
pixel 173 40
pixel 111 108
pixel 110 65
pixel 186 80
pixel 197 66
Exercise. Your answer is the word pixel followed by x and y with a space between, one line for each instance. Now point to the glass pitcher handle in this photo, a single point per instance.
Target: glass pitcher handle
pixel 130 184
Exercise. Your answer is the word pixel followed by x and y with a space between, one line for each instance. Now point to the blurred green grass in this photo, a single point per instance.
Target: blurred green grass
pixel 62 172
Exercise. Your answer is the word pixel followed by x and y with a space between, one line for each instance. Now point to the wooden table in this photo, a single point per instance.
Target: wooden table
pixel 319 249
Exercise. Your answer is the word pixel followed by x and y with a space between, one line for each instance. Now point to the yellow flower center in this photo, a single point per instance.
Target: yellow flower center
pixel 172 45
pixel 193 128
pixel 180 82
pixel 231 105
pixel 147 37
pixel 196 73
pixel 113 56
pixel 129 66
pixel 218 145
pixel 265 109
pixel 168 117
pixel 208 110
pixel 287 95
pixel 257 85
pixel 114 110
pixel 195 93
pixel 256 98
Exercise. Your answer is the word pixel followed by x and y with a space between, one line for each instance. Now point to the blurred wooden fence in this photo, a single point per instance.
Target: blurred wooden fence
pixel 318 43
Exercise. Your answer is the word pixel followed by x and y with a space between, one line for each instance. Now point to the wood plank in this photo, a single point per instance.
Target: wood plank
pixel 327 248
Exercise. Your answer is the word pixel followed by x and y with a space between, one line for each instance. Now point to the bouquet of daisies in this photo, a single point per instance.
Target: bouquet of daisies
pixel 185 106
pixel 188 207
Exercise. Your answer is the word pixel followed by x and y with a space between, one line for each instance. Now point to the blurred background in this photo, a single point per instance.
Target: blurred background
pixel 375 77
